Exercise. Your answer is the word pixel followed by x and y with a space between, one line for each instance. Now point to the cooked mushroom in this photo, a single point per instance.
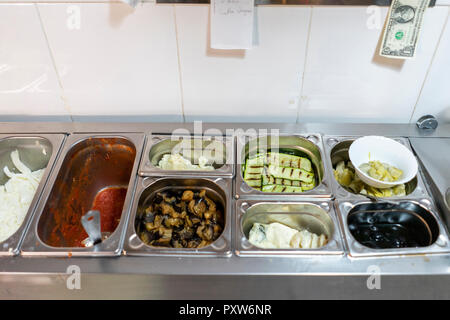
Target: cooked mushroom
pixel 186 233
pixel 149 216
pixel 167 208
pixel 193 243
pixel 188 195
pixel 161 242
pixel 208 215
pixel 211 204
pixel 199 208
pixel 170 200
pixel 165 232
pixel 176 244
pixel 203 244
pixel 181 219
pixel 191 206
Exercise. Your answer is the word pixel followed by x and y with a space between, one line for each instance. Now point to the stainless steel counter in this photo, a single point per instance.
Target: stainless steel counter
pixel 434 153
pixel 418 276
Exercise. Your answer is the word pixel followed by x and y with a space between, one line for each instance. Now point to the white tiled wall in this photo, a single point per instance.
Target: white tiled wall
pixel 154 63
pixel 121 61
pixel 344 76
pixel 28 83
pixel 435 95
pixel 254 85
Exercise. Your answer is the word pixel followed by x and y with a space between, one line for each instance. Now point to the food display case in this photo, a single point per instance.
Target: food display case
pixel 185 233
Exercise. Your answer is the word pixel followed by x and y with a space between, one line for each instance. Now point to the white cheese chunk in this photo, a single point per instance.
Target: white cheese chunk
pixel 278 236
pixel 177 162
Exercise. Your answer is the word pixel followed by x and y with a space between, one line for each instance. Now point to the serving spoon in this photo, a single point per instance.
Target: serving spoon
pixel 92 226
pixel 375 199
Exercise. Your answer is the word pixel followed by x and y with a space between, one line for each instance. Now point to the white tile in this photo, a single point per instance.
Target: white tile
pixel 435 96
pixel 121 61
pixel 443 2
pixel 28 82
pixel 346 80
pixel 260 84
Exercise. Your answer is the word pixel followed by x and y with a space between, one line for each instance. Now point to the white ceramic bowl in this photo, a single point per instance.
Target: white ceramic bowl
pixel 385 150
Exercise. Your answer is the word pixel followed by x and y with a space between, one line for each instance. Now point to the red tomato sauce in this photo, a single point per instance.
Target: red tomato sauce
pixel 110 203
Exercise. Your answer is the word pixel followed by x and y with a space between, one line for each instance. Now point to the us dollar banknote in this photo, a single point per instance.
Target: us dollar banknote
pixel 403 26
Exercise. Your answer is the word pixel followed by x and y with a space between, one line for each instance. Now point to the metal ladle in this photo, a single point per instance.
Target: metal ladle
pixel 92 226
pixel 375 199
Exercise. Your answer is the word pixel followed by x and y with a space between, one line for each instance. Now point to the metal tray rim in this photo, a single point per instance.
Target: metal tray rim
pixel 341 193
pixel 323 190
pixel 14 242
pixel 113 247
pixel 145 250
pixel 146 169
pixel 258 252
pixel 354 252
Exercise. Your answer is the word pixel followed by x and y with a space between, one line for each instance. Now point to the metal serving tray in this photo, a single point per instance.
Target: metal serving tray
pixel 159 145
pixel 309 144
pixel 423 210
pixel 316 215
pixel 336 148
pixel 81 152
pixel 36 152
pixel 219 188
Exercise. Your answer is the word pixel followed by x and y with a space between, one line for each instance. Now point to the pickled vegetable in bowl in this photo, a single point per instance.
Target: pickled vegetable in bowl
pixel 382 162
pixel 346 176
pixel 381 171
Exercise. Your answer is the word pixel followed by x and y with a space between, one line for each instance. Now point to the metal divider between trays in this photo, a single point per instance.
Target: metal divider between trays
pixel 217 181
pixel 321 196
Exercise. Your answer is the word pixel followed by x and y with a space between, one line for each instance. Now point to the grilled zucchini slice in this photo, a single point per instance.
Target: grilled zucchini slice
pixel 278 188
pixel 291 174
pixel 288 161
pixel 268 179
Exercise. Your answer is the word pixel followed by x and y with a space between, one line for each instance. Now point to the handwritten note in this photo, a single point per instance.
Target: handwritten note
pixel 232 24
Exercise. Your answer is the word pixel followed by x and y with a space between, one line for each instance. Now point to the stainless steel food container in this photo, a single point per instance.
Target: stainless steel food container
pixel 159 145
pixel 217 188
pixel 315 215
pixel 309 144
pixel 336 148
pixel 78 153
pixel 421 209
pixel 36 152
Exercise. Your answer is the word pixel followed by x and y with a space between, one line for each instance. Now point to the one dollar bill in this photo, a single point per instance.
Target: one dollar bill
pixel 402 29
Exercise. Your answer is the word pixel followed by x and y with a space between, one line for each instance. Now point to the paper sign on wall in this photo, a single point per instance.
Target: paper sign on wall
pixel 232 24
